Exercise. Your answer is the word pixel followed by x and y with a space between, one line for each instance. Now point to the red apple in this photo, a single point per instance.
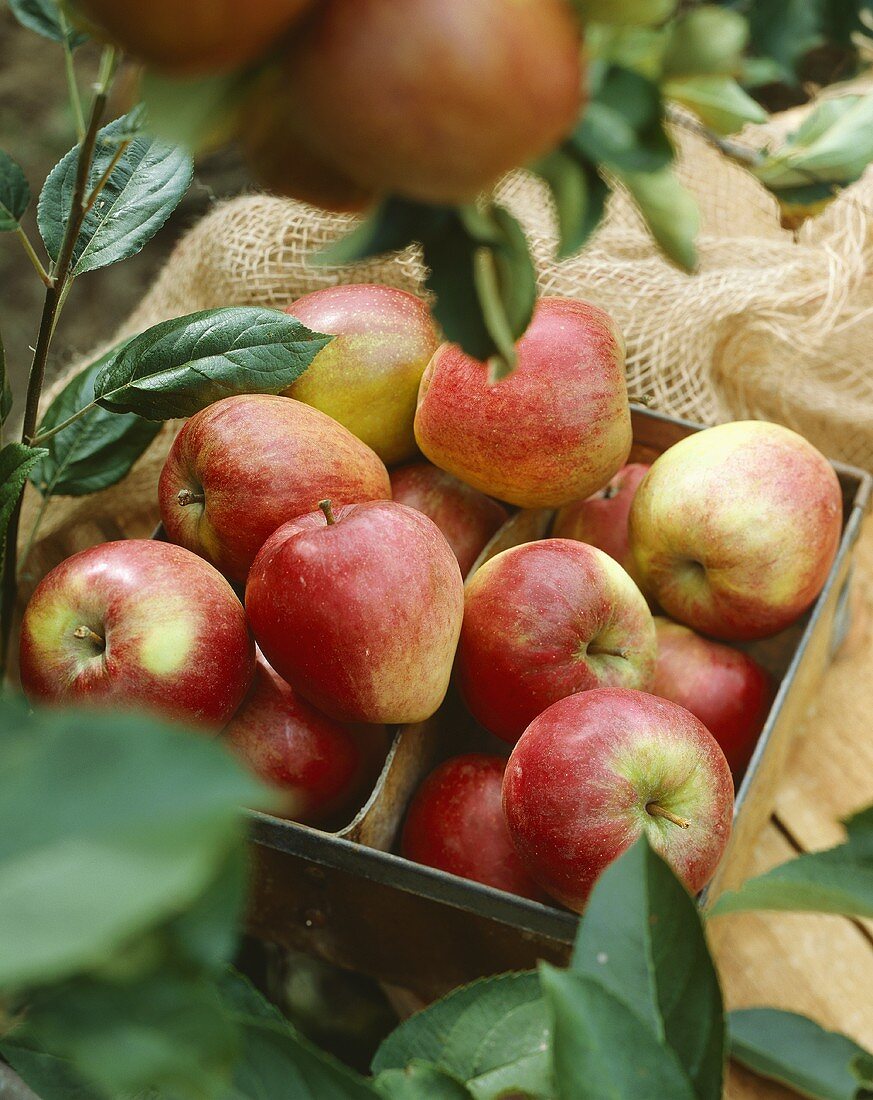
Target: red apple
pixel 367 378
pixel 434 101
pixel 245 465
pixel 545 620
pixel 553 431
pixel 726 689
pixel 465 516
pixel 601 519
pixel 455 823
pixel 596 770
pixel 360 611
pixel 321 766
pixel 735 528
pixel 138 624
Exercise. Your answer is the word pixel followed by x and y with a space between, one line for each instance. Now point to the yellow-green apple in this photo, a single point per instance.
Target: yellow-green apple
pixel 725 688
pixel 553 431
pixel 360 610
pixel 367 377
pixel 434 101
pixel 138 624
pixel 734 528
pixel 198 36
pixel 601 519
pixel 465 516
pixel 321 767
pixel 545 620
pixel 245 465
pixel 596 770
pixel 455 823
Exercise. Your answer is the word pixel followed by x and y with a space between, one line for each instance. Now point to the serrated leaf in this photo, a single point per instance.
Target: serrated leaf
pixel 97 866
pixel 514 1055
pixel 50 1077
pixel 623 126
pixel 43 17
pixel 800 1054
pixel 602 1048
pixel 197 113
pixel 180 366
pixel 14 193
pixel 626 13
pixel 718 101
pixel 706 40
pixel 579 195
pixel 669 211
pixel 642 939
pixel 838 880
pixel 95 451
pixel 16 462
pixel 141 192
pixel 419 1081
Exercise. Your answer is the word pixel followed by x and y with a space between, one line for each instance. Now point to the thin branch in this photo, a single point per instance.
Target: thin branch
pixel 21 234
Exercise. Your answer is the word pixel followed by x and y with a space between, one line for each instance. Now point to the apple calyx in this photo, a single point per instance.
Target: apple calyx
pixel 657 810
pixel 92 636
pixel 188 496
pixel 324 505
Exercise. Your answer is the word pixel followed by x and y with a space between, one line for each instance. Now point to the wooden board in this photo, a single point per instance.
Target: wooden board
pixel 818 965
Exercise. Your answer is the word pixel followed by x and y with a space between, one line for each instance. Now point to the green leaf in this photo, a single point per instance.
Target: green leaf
pixel 394 225
pixel 800 1054
pixel 706 40
pixel 50 1077
pixel 623 126
pixel 784 30
pixel 642 939
pixel 207 932
pixel 16 462
pixel 43 17
pixel 141 192
pixel 95 451
pixel 838 880
pixel 97 865
pixel 625 13
pixel 5 388
pixel 579 194
pixel 718 101
pixel 180 366
pixel 669 211
pixel 14 193
pixel 193 112
pixel 168 1032
pixel 419 1081
pixel 602 1048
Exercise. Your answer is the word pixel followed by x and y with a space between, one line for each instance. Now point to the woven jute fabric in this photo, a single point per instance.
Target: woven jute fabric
pixel 775 324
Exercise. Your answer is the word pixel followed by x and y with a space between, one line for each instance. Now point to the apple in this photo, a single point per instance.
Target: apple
pixel 455 823
pixel 367 377
pixel 198 36
pixel 138 624
pixel 359 610
pixel 245 465
pixel 601 519
pixel 466 517
pixel 544 620
pixel 553 431
pixel 428 100
pixel 320 766
pixel 735 528
pixel 726 689
pixel 596 770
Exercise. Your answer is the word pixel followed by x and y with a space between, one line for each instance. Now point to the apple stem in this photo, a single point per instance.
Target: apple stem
pixel 656 810
pixel 324 505
pixel 188 496
pixel 91 635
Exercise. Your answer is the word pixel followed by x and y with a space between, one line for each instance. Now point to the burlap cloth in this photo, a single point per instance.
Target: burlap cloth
pixel 775 324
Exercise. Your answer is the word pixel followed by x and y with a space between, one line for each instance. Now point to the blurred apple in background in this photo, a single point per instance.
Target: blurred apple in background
pixel 359 609
pixel 465 516
pixel 545 620
pixel 596 770
pixel 322 767
pixel 553 431
pixel 455 823
pixel 601 520
pixel 245 465
pixel 726 689
pixel 735 528
pixel 138 624
pixel 368 377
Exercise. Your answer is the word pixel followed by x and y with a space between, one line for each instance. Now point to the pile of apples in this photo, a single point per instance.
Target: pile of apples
pixel 356 615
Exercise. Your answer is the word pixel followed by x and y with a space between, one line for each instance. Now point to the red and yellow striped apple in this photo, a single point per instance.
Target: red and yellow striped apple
pixel 554 430
pixel 140 625
pixel 545 620
pixel 596 770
